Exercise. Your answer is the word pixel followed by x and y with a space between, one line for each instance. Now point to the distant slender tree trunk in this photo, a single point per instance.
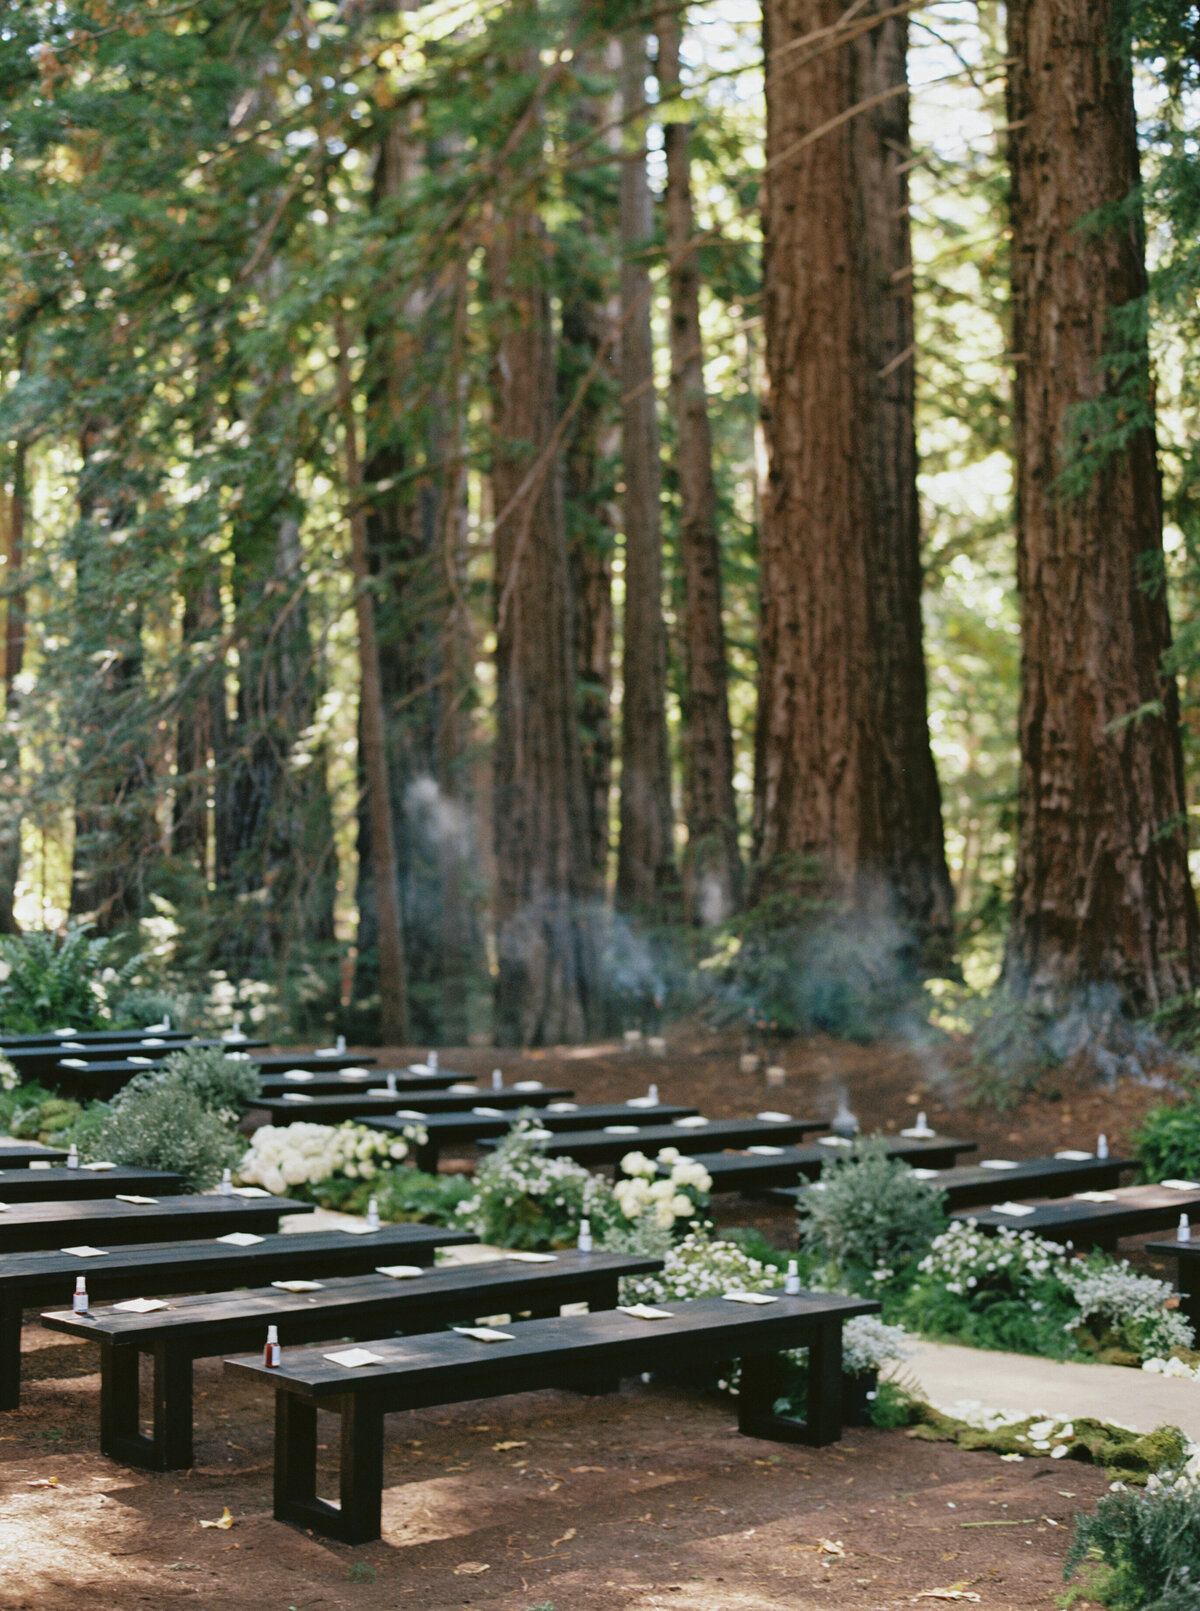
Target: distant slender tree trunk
pixel 645 855
pixel 1102 896
pixel 590 458
pixel 393 978
pixel 713 868
pixel 847 803
pixel 14 661
pixel 545 985
pixel 200 729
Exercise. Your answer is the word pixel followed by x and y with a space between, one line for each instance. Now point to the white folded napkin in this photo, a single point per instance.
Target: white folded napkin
pixel 749 1297
pixel 241 1239
pixel 488 1113
pixel 1017 1210
pixel 644 1311
pixel 562 1107
pixel 620 1129
pixel 1094 1196
pixel 401 1272
pixel 997 1163
pixel 532 1258
pixel 85 1252
pixel 146 1062
pixel 925 1174
pixel 358 1227
pixel 694 1121
pixel 771 1117
pixel 97 1167
pixel 918 1132
pixel 132 1197
pixel 1078 1157
pixel 833 1141
pixel 484 1334
pixel 353 1358
pixel 250 1191
pixel 464 1088
pixel 409 1113
pixel 74 1062
pixel 1180 1185
pixel 300 1075
pixel 141 1306
pixel 529 1085
pixel 298 1286
pixel 359 1074
pixel 641 1102
pixel 767 1152
pixel 296 1096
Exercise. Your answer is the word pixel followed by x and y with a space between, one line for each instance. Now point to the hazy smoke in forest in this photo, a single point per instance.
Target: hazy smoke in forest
pixel 627 960
pixel 436 819
pixel 844 1122
pixel 714 901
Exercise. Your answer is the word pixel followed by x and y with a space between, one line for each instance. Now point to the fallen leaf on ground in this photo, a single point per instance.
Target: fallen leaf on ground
pixel 511 1443
pixel 956 1591
pixel 831 1546
pixel 565 1539
pixel 43 1482
pixel 471 1568
pixel 577 1470
pixel 224 1522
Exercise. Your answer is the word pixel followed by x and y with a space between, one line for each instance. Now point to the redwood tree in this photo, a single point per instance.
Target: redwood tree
pixel 545 984
pixel 645 855
pixel 1102 890
pixel 847 803
pixel 713 868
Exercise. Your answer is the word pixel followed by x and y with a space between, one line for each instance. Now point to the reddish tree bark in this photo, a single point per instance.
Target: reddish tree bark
pixel 712 867
pixel 646 876
pixel 847 803
pixel 1102 892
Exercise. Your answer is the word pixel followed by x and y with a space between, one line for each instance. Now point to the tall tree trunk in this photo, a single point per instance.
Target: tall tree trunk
pixel 645 854
pixel 713 868
pixel 200 729
pixel 14 661
pixel 847 804
pixel 545 984
pixel 1102 892
pixel 591 452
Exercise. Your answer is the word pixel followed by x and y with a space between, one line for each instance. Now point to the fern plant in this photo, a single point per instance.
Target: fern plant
pixel 54 981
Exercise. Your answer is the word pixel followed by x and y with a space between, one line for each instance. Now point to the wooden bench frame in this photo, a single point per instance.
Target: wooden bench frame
pixel 369 1106
pixel 59 1184
pixel 575 1352
pixel 971 1185
pixel 41 1226
pixel 1088 1225
pixel 347 1307
pixel 471 1129
pixel 155 1269
pixel 737 1171
pixel 1187 1268
pixel 591 1147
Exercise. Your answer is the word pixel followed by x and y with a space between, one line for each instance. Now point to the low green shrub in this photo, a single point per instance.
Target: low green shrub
pixel 1147 1542
pixel 167 1127
pixel 219 1082
pixel 522 1199
pixel 402 1195
pixel 1123 1316
pixel 1167 1143
pixel 871 1218
pixel 52 981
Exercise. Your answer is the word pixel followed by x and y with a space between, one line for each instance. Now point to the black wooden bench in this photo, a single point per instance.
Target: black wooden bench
pixel 1131 1211
pixel 774 1169
pixel 108 1222
pixel 570 1351
pixel 971 1184
pixel 313 1062
pixel 478 1127
pixel 90 1037
pixel 60 1185
pixel 609 1145
pixel 347 1081
pixel 1187 1255
pixel 367 1106
pixel 17 1154
pixel 350 1306
pixel 155 1269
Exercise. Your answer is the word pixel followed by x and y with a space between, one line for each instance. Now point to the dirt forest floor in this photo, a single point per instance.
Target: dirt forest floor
pixel 643 1499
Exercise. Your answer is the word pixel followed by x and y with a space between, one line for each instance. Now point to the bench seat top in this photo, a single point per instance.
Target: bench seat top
pixel 149 1269
pixel 1128 1211
pixel 570 1116
pixel 100 1221
pixel 972 1184
pixel 1188 1251
pixel 448 1367
pixel 366 1106
pixel 766 1168
pixel 59 1184
pixel 498 1283
pixel 17 1154
pixel 359 1078
pixel 602 1146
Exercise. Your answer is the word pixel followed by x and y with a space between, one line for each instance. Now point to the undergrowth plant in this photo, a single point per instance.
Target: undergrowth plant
pixel 871 1218
pixel 221 1083
pixel 58 981
pixel 1167 1143
pixel 166 1127
pixel 522 1199
pixel 1147 1544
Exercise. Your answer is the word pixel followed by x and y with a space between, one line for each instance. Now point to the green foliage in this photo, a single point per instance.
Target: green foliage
pixel 1167 1142
pixel 55 981
pixel 522 1199
pixel 871 1218
pixel 167 1127
pixel 402 1195
pixel 1001 1291
pixel 219 1082
pixel 1149 1543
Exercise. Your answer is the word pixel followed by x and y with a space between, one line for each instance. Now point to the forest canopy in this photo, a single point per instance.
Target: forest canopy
pixel 519 517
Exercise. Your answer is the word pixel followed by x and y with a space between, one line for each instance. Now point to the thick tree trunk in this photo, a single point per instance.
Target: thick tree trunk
pixel 14 661
pixel 1102 896
pixel 545 984
pixel 646 877
pixel 713 867
pixel 847 803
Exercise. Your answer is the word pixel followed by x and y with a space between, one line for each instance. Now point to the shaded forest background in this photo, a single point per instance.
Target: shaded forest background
pixel 513 512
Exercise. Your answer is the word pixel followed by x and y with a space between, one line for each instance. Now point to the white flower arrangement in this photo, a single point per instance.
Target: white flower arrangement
pixel 868 1344
pixel 523 1199
pixel 963 1256
pixel 9 1078
pixel 699 1267
pixel 670 1197
pixel 280 1156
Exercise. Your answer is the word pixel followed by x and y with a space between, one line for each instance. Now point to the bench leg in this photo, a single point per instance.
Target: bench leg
pixel 120 1437
pixel 358 1519
pixel 10 1355
pixel 1189 1293
pixel 426 1158
pixel 762 1379
pixel 172 1409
